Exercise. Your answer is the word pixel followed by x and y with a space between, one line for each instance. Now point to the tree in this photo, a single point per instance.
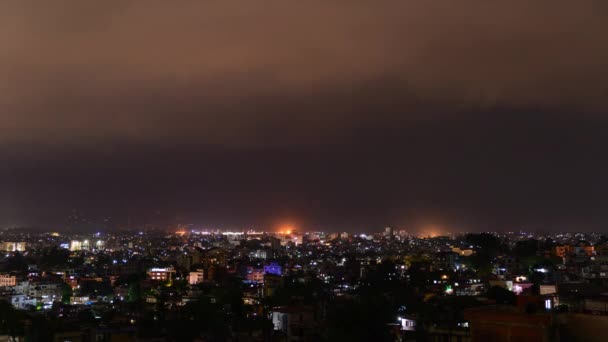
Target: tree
pixel 362 319
pixel 54 257
pixel 526 248
pixel 209 317
pixel 66 293
pixel 480 262
pixel 10 320
pixel 486 243
pixel 39 330
pixel 134 293
pixel 17 262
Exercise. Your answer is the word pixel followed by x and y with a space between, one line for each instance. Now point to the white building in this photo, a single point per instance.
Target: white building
pixel 196 277
pixel 295 322
pixel 49 292
pixel 75 245
pixel 407 323
pixel 21 301
pixel 259 254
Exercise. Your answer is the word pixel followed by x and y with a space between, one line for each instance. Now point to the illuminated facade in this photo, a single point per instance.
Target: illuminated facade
pixel 78 245
pixel 563 250
pixel 255 274
pixel 161 274
pixel 7 280
pixel 273 268
pixel 14 246
pixel 463 252
pixel 580 249
pixel 196 277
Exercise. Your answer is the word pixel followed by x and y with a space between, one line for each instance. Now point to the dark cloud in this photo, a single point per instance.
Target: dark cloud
pixel 125 70
pixel 466 112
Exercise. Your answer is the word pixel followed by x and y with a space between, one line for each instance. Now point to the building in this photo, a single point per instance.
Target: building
pixel 388 232
pixel 47 292
pixel 161 274
pixel 20 301
pixel 261 254
pixel 547 289
pixel 255 274
pixel 296 323
pixel 582 248
pixel 191 256
pixel 77 245
pixel 196 277
pixel 7 280
pixel 463 252
pixel 79 300
pixel 447 260
pixel 14 246
pixel 99 245
pixel 273 268
pixel 407 323
pixel 562 250
pixel 502 323
pixel 271 284
pixel 275 244
pixel 215 256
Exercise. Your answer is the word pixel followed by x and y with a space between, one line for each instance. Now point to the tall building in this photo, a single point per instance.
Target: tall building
pixel 388 232
pixel 14 246
pixel 78 245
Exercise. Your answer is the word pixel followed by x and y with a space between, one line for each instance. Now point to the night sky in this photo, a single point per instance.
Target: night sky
pixel 338 115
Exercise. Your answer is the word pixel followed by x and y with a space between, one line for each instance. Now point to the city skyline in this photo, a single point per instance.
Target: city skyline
pixel 303 171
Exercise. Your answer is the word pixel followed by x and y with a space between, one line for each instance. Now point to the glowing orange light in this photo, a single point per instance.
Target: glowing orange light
pixel 431 231
pixel 286 230
pixel 180 233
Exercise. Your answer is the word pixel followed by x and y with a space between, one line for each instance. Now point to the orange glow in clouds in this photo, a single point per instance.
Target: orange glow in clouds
pixel 286 229
pixel 431 231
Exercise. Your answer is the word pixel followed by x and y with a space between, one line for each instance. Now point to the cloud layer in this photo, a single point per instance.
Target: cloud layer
pixel 236 72
pixel 338 114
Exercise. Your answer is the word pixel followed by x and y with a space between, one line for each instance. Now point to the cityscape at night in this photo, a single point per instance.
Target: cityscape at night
pixel 303 171
pixel 185 283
